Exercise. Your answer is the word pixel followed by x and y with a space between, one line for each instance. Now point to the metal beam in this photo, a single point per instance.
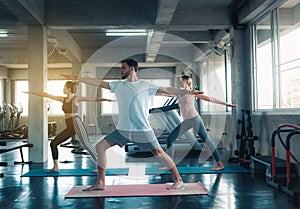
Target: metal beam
pixel 153 44
pixel 165 12
pixel 174 27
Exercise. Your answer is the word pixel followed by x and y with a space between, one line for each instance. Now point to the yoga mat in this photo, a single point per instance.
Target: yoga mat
pixel 138 190
pixel 197 170
pixel 124 171
pixel 74 172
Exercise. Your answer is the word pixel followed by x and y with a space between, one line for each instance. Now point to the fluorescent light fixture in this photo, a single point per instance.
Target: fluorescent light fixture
pixel 3 34
pixel 126 32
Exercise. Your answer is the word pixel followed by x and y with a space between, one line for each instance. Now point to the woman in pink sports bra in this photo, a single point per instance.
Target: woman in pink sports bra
pixel 191 119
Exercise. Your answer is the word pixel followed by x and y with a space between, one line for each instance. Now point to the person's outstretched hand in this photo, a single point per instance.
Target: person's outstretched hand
pixel 69 76
pixel 109 100
pixel 231 105
pixel 197 92
pixel 28 92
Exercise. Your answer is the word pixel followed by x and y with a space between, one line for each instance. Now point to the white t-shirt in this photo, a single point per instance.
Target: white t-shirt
pixel 133 102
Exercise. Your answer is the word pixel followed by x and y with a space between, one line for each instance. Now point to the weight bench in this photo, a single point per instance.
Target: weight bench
pixel 8 146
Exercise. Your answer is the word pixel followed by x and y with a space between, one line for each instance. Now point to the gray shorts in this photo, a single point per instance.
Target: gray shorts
pixel 145 140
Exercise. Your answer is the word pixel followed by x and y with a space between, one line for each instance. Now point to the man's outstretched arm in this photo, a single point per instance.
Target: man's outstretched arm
pixel 90 81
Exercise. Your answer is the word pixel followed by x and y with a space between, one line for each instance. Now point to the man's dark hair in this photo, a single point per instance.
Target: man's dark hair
pixel 131 63
pixel 185 77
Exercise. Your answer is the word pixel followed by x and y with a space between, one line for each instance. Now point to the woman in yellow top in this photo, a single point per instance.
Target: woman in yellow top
pixel 73 122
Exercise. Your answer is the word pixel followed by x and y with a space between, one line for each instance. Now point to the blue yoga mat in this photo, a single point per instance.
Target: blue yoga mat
pixel 74 172
pixel 124 171
pixel 197 170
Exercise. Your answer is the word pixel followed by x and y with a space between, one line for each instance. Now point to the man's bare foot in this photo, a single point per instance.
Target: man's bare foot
pixel 95 171
pixel 217 168
pixel 176 185
pixel 53 170
pixel 93 188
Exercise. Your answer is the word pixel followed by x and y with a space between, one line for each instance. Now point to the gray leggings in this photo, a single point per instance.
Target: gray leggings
pixel 84 138
pixel 197 124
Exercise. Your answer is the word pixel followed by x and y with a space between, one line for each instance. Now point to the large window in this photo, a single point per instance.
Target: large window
pixel 109 108
pixel 22 98
pixel 264 71
pixel 277 59
pixel 215 81
pixel 289 69
pixel 54 87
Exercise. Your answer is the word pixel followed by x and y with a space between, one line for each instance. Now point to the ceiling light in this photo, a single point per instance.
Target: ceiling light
pixel 126 32
pixel 3 34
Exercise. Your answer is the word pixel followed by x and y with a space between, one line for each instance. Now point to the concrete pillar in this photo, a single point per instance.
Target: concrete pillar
pixel 241 70
pixel 37 77
pixel 241 76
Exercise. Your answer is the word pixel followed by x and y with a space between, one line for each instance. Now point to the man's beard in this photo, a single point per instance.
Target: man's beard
pixel 124 76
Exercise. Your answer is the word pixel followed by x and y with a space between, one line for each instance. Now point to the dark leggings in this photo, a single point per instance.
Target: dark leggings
pixel 63 136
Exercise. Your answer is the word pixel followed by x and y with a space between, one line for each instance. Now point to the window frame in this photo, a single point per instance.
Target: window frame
pixel 276 65
pixel 227 84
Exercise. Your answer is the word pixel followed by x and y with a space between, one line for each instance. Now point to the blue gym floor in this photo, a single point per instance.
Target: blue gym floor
pixel 229 190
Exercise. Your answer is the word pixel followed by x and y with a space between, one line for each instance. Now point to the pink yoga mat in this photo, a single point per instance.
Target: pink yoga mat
pixel 138 190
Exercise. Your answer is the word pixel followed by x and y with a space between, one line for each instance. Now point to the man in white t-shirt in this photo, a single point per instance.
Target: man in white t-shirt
pixel 133 96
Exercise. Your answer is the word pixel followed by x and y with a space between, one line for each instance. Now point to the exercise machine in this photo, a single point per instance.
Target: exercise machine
pixel 285 177
pixel 167 118
pixel 281 174
pixel 18 112
pixel 14 131
pixel 3 112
